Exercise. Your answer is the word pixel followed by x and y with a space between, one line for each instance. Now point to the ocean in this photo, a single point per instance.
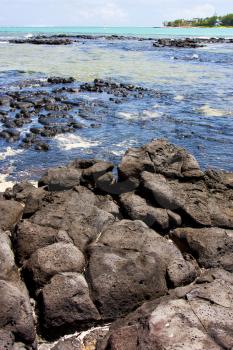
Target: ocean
pixel 194 108
pixel 134 31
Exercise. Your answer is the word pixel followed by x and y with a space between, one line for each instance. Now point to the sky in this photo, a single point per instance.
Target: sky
pixel 106 12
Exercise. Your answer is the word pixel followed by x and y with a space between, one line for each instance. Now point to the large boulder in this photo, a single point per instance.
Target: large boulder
pixel 106 203
pixel 131 263
pixel 212 247
pixel 66 304
pixel 221 208
pixel 121 280
pixel 187 198
pixel 20 191
pixel 201 320
pixel 96 170
pixel 161 157
pixel 33 201
pixel 16 318
pixel 29 237
pixel 60 179
pixel 76 213
pixel 15 312
pixel 10 213
pixel 55 258
pixel 137 208
pixel 8 269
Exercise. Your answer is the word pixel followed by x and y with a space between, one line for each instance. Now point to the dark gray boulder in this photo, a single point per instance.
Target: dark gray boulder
pixel 55 258
pixel 136 208
pixel 29 237
pixel 60 179
pixel 8 270
pixel 129 264
pixel 212 247
pixel 76 213
pixel 10 213
pixel 121 280
pixel 16 314
pixel 33 201
pixel 96 170
pixel 161 157
pixel 66 304
pixel 186 198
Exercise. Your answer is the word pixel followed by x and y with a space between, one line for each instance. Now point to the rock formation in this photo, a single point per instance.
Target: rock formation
pixel 150 252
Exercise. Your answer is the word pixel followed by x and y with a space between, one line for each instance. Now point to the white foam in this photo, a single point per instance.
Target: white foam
pixel 118 153
pixel 28 36
pixel 195 57
pixel 4 184
pixel 145 115
pixel 72 141
pixel 150 114
pixel 9 152
pixel 78 336
pixel 209 111
pixel 179 98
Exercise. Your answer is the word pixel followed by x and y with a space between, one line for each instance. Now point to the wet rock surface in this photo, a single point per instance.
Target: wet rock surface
pixel 149 252
pixel 191 43
pixel 34 112
pixel 42 41
pixel 63 39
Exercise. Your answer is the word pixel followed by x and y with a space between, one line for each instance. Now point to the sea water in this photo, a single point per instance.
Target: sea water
pixel 194 110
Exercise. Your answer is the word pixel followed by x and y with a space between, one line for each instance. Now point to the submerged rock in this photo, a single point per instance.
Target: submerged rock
pixel 42 41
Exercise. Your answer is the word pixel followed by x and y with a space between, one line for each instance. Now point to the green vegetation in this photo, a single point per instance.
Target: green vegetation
pixel 214 21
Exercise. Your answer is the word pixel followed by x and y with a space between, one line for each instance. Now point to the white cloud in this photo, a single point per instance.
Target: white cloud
pixel 205 10
pixel 107 13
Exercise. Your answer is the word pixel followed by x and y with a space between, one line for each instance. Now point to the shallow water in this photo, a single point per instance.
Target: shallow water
pixel 194 110
pixel 134 31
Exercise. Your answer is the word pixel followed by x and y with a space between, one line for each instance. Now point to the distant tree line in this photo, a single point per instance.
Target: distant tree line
pixel 213 21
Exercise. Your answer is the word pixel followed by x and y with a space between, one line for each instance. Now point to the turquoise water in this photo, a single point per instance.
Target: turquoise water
pixel 134 31
pixel 194 110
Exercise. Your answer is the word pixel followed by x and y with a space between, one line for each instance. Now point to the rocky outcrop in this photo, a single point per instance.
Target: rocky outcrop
pixel 42 41
pixel 149 252
pixel 201 319
pixel 179 43
pixel 190 43
pixel 67 39
pixel 59 106
pixel 16 321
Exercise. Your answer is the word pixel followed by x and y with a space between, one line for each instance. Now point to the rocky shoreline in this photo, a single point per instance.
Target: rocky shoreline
pixel 60 110
pixel 62 39
pixel 149 252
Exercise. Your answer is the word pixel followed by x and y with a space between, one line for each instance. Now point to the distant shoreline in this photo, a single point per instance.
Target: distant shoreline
pixel 193 27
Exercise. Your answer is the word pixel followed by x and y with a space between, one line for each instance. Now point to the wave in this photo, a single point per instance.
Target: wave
pixel 71 141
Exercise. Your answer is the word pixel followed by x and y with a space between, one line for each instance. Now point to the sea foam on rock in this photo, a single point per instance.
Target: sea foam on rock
pixel 93 249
